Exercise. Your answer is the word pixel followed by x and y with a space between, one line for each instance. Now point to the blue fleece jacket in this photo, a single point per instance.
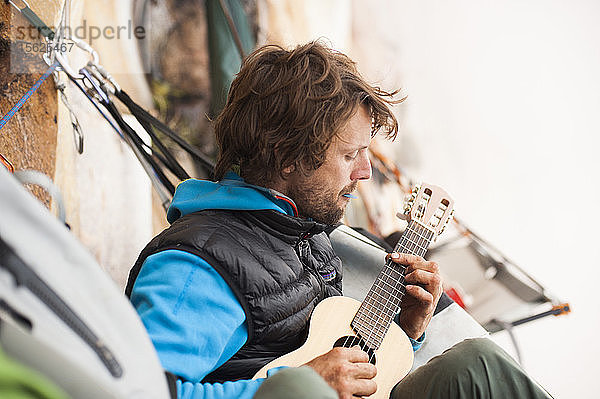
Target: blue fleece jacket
pixel 191 314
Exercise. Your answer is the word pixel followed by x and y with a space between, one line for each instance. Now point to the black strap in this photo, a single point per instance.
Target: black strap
pixel 146 119
pixel 172 383
pixel 38 23
pixel 139 144
pixel 169 160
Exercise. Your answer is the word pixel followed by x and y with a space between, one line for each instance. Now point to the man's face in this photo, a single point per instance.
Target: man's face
pixel 320 195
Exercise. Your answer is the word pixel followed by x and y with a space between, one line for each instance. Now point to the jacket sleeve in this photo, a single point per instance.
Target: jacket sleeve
pixel 194 320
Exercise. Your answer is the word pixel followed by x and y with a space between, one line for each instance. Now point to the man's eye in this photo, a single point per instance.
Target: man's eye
pixel 351 156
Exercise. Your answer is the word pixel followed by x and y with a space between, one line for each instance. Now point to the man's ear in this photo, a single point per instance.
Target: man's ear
pixel 288 170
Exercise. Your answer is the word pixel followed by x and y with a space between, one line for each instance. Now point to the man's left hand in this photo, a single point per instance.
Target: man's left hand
pixel 423 291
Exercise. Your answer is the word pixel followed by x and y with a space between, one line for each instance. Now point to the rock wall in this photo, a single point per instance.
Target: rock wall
pixel 106 193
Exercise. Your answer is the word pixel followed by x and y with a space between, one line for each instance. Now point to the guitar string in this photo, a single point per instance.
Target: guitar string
pixel 402 244
pixel 419 246
pixel 378 327
pixel 380 330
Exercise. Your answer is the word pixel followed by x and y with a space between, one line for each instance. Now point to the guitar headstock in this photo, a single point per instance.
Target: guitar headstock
pixel 431 206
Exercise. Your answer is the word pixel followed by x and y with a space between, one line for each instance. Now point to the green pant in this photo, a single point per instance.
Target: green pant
pixel 20 382
pixel 295 383
pixel 474 368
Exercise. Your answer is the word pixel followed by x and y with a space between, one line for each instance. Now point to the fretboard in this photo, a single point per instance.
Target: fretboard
pixel 382 302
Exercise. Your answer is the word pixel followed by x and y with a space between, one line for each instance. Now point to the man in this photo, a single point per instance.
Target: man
pixel 232 283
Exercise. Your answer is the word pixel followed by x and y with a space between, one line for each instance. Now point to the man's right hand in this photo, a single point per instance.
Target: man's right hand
pixel 347 370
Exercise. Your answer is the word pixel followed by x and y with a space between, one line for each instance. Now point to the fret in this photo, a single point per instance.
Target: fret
pixel 368 326
pixel 407 246
pixel 417 246
pixel 384 306
pixel 428 234
pixel 383 300
pixel 371 326
pixel 393 268
pixel 393 287
pixel 423 241
pixel 378 309
pixel 373 335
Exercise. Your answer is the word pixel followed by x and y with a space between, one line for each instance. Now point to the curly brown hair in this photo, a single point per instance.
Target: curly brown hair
pixel 284 107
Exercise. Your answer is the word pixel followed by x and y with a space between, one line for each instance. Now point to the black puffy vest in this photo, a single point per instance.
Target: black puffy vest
pixel 279 267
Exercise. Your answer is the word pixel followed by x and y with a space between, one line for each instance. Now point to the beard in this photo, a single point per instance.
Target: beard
pixel 319 203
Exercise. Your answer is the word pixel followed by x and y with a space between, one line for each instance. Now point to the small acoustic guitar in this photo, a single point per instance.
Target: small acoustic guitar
pixel 343 321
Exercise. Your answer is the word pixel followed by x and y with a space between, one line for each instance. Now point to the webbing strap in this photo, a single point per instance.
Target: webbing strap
pixel 26 96
pixel 169 160
pixel 33 18
pixel 145 119
pixel 139 143
pixel 37 22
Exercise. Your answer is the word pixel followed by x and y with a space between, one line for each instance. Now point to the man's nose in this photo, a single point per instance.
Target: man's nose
pixel 362 171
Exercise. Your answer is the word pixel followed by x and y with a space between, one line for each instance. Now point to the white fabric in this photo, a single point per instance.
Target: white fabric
pixel 50 346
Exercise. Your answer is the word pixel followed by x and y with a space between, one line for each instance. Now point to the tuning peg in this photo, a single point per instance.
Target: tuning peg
pixel 402 216
pixel 451 216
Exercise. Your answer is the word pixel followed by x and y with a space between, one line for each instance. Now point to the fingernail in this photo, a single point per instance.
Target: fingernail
pixel 395 255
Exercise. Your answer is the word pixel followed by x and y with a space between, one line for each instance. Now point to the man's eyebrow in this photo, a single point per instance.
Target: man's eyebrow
pixel 349 148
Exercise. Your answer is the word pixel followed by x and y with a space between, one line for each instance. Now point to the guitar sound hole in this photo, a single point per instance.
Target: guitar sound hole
pixel 349 341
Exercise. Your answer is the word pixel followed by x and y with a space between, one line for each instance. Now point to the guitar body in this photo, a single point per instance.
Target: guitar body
pixel 329 322
pixel 335 319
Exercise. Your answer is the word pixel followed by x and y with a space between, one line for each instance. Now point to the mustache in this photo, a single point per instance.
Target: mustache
pixel 349 188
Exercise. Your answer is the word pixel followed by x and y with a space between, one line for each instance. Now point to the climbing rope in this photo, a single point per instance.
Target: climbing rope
pixel 7 117
pixel 7 164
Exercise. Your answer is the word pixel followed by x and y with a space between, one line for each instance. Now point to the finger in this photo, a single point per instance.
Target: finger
pixel 404 259
pixel 364 387
pixel 429 266
pixel 364 370
pixel 432 282
pixel 420 294
pixel 356 355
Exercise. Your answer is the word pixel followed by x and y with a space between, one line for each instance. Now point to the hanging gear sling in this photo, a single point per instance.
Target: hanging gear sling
pixel 98 87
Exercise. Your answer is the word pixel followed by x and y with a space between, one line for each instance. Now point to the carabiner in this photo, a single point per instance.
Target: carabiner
pixel 17 7
pixel 95 85
pixel 64 64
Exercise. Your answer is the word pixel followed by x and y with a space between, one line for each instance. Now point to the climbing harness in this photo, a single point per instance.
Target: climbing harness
pixel 100 88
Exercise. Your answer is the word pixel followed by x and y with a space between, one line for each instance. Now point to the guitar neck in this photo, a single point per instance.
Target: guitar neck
pixel 383 300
